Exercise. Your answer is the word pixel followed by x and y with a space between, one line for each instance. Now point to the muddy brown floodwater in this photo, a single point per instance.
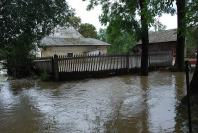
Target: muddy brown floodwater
pixel 123 104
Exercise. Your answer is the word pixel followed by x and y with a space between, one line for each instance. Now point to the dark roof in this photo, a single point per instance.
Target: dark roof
pixel 162 36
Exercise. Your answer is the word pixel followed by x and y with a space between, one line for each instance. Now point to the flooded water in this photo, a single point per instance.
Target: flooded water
pixel 123 104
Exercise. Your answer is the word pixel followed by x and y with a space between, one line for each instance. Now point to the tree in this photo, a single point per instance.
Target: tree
pixel 75 22
pixel 102 35
pixel 121 41
pixel 124 14
pixel 187 11
pixel 188 17
pixel 191 44
pixel 193 84
pixel 144 37
pixel 23 24
pixel 192 25
pixel 88 30
pixel 181 24
pixel 158 26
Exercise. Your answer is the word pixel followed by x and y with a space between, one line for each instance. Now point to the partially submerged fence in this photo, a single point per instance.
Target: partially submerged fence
pixel 80 66
pixel 98 63
pixel 44 64
pixel 160 59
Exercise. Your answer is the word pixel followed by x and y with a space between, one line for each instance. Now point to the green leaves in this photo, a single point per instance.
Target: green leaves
pixel 88 30
pixel 125 14
pixel 23 23
pixel 192 13
pixel 75 22
pixel 85 29
pixel 34 17
pixel 121 41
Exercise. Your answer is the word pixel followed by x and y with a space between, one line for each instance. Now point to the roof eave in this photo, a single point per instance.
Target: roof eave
pixel 158 42
pixel 68 45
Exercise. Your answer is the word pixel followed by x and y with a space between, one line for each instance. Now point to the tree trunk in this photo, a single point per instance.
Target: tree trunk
pixel 144 37
pixel 193 83
pixel 179 64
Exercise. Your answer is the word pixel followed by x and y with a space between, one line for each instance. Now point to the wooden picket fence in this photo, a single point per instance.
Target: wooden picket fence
pixel 98 63
pixel 82 66
pixel 161 59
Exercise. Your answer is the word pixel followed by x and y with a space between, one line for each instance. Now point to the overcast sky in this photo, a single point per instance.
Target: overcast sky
pixel 92 16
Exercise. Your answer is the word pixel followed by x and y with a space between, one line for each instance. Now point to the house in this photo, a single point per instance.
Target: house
pixel 159 42
pixel 69 42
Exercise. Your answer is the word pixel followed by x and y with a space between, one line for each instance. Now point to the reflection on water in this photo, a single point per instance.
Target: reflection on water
pixel 124 104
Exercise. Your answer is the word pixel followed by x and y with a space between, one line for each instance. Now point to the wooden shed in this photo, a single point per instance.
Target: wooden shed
pixel 159 42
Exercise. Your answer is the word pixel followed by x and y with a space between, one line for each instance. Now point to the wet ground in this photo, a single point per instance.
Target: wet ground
pixel 123 104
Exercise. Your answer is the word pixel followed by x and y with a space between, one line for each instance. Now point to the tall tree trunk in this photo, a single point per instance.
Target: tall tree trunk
pixel 179 64
pixel 193 83
pixel 144 37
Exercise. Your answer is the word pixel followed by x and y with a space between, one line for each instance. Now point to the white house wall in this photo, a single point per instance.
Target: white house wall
pixel 51 51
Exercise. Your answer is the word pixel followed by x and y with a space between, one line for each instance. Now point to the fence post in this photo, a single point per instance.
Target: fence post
pixel 149 60
pixel 127 62
pixel 52 66
pixel 55 66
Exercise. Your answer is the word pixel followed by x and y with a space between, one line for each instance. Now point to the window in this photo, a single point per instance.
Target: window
pixel 69 54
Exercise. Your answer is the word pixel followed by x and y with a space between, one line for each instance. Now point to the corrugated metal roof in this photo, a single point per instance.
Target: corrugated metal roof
pixel 57 41
pixel 162 36
pixel 69 37
pixel 68 32
pixel 92 41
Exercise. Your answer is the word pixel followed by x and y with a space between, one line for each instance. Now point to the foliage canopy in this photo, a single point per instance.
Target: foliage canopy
pixel 88 30
pixel 125 12
pixel 85 29
pixel 25 22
